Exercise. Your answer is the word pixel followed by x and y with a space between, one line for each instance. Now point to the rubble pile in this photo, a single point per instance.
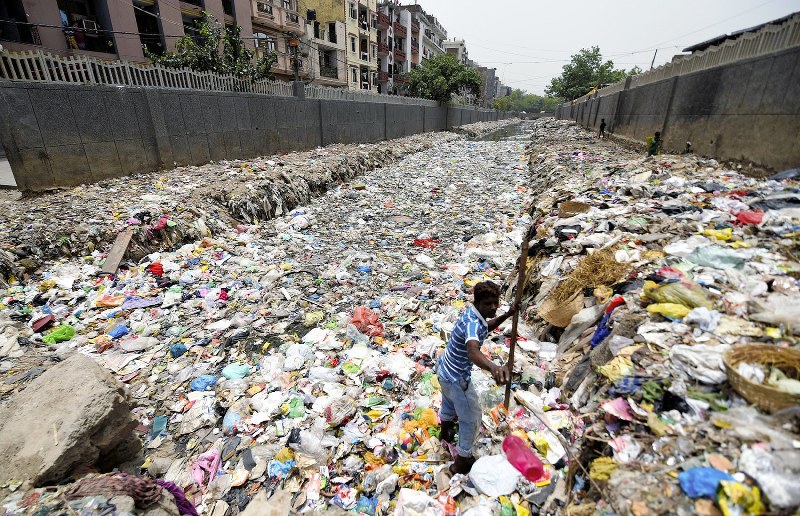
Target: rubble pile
pixel 285 365
pixel 479 129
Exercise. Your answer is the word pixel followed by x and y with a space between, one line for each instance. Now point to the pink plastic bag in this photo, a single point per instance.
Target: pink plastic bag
pixel 749 217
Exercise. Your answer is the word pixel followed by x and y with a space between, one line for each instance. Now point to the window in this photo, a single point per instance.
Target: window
pixel 353 13
pixel 375 78
pixel 292 17
pixel 353 75
pixel 287 4
pixel 264 8
pixel 352 44
pixel 374 51
pixel 374 21
pixel 332 32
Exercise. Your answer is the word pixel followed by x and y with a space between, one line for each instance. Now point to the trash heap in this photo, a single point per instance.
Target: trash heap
pixel 663 294
pixel 280 364
pixel 286 365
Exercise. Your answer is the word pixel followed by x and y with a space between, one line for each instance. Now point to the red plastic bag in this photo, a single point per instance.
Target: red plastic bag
pixel 749 217
pixel 156 269
pixel 367 322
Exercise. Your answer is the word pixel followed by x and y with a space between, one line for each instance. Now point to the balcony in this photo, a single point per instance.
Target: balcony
pixel 414 45
pixel 383 76
pixel 383 48
pixel 414 27
pixel 330 72
pixel 399 30
pixel 399 54
pixel 383 20
pixel 292 19
pixel 400 79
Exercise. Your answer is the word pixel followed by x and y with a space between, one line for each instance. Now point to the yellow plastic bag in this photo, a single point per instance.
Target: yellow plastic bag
pixel 669 310
pixel 686 293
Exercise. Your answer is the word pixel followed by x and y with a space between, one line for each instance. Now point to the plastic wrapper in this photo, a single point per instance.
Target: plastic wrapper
pixel 685 292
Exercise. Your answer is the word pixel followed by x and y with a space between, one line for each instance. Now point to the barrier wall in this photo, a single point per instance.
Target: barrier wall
pixel 67 134
pixel 747 111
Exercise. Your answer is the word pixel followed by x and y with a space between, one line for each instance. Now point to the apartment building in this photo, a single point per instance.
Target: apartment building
pixel 431 34
pixel 273 21
pixel 361 26
pixel 118 29
pixel 488 84
pixel 393 48
pixel 329 53
pixel 458 49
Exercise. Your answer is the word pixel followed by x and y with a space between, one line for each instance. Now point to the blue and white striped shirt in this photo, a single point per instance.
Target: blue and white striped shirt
pixel 454 364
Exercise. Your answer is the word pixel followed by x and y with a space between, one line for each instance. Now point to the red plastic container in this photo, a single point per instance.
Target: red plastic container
pixel 522 457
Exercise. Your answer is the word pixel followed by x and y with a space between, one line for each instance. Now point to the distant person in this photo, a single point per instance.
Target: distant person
pixel 602 133
pixel 688 149
pixel 654 144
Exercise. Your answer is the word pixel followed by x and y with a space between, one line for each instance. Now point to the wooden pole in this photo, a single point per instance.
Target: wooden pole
pixel 522 269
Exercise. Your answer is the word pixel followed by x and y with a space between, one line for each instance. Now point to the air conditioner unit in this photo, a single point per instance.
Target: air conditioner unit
pixel 89 25
pixel 365 56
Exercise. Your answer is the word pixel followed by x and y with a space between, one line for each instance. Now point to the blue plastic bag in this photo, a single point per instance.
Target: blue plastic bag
pixel 177 350
pixel 704 482
pixel 203 383
pixel 119 331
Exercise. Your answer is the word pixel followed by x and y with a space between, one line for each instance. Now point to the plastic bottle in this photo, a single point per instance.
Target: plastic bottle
pixel 522 457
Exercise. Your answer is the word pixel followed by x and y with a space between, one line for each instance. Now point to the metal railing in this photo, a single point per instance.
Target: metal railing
pixel 323 92
pixel 38 66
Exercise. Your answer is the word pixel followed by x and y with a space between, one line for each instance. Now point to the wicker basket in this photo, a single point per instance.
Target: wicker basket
pixel 766 397
pixel 560 314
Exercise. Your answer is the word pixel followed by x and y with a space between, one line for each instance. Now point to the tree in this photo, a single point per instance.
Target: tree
pixel 520 100
pixel 201 52
pixel 440 77
pixel 585 71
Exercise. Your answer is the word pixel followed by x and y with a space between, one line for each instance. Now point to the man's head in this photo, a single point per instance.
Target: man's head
pixel 658 135
pixel 602 120
pixel 486 298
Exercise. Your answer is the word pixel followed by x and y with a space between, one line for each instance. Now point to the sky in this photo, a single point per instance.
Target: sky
pixel 528 41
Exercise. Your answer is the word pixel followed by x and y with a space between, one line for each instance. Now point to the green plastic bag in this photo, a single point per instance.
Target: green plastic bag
pixel 296 408
pixel 61 334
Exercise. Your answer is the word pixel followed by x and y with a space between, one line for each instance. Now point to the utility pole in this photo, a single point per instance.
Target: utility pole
pixel 294 43
pixel 654 59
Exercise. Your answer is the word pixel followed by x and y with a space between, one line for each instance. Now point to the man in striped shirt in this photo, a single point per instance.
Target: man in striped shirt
pixel 454 370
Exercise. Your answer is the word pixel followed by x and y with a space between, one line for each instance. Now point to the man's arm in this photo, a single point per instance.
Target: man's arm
pixel 497 321
pixel 499 373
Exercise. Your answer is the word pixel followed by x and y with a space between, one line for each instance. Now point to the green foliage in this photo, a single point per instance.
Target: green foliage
pixel 519 100
pixel 201 52
pixel 585 71
pixel 440 77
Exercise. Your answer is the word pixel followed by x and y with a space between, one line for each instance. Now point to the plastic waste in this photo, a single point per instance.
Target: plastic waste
pixel 701 482
pixel 522 457
pixel 203 383
pixel 366 321
pixel 233 371
pixel 177 350
pixel 685 292
pixel 61 333
pixel 669 310
pixel 494 475
pixel 716 257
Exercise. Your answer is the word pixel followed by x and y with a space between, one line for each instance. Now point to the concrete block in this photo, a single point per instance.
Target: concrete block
pixel 38 169
pixel 55 116
pixel 122 112
pixel 757 83
pixel 227 111
pixel 242 111
pixel 93 122
pixel 198 148
pixel 143 115
pixel 21 116
pixel 216 146
pixel 69 165
pixel 132 156
pixel 778 89
pixel 250 143
pixel 103 159
pixel 180 149
pixel 192 111
pixel 211 115
pixel 173 115
pixel 233 149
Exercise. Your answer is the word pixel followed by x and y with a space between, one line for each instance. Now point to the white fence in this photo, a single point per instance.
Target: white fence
pixel 39 66
pixel 768 39
pixel 324 92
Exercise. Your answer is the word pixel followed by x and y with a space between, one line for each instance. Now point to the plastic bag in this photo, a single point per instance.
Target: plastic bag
pixel 716 257
pixel 702 482
pixel 61 334
pixel 494 476
pixel 700 362
pixel 367 322
pixel 669 310
pixel 340 411
pixel 203 383
pixel 233 371
pixel 686 293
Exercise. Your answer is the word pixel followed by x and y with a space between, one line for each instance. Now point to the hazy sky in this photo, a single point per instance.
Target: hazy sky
pixel 528 41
